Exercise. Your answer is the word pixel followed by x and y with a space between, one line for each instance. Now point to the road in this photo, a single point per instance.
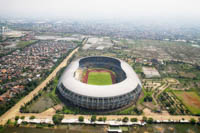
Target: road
pixel 11 113
pixel 115 117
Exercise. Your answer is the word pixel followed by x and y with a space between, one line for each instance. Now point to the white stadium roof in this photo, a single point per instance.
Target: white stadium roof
pixel 76 86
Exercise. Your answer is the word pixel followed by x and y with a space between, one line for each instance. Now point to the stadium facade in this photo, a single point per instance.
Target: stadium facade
pixel 100 97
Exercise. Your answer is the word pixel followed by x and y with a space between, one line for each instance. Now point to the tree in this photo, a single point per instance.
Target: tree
pixel 32 117
pixel 8 122
pixel 57 119
pixel 100 119
pixel 134 120
pixel 104 119
pixel 192 121
pixel 80 118
pixel 172 110
pixel 125 119
pixel 150 120
pixel 144 118
pixel 22 117
pixel 93 118
pixel 148 98
pixel 16 118
pixel 137 111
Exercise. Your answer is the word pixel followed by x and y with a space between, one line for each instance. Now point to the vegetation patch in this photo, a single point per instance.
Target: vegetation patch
pixel 40 105
pixel 190 99
pixel 22 44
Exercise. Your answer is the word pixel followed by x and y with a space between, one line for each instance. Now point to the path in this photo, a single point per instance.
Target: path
pixel 163 87
pixel 49 111
pixel 11 113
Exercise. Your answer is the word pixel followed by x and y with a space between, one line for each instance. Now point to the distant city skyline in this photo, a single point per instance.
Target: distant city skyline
pixel 182 9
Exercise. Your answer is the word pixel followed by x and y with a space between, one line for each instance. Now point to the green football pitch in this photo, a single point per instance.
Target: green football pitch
pixel 99 78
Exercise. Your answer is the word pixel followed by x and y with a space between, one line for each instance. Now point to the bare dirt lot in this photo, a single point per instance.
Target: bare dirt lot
pixel 190 99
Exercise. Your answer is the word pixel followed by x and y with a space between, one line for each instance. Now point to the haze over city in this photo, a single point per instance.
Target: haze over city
pixel 94 9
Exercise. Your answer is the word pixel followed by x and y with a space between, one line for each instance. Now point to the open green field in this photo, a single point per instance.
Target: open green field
pixel 22 44
pixel 99 78
pixel 43 103
pixel 190 99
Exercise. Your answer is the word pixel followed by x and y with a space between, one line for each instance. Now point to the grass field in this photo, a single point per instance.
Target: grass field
pixel 43 103
pixel 99 78
pixel 22 44
pixel 190 99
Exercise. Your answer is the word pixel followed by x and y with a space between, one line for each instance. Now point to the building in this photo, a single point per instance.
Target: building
pixel 3 30
pixel 100 97
pixel 150 72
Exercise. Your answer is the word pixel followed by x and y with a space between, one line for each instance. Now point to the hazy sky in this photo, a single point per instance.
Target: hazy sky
pixel 101 8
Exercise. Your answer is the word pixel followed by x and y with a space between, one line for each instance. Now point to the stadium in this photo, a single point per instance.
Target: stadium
pixel 99 83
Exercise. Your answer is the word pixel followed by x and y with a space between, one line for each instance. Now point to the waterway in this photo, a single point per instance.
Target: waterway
pixel 154 128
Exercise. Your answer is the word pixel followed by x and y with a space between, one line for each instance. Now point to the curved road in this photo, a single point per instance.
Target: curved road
pixel 11 113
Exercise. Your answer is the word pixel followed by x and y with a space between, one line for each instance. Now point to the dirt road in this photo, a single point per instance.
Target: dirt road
pixel 11 113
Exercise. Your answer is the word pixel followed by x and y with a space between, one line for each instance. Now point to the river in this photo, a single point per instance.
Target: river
pixel 154 128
